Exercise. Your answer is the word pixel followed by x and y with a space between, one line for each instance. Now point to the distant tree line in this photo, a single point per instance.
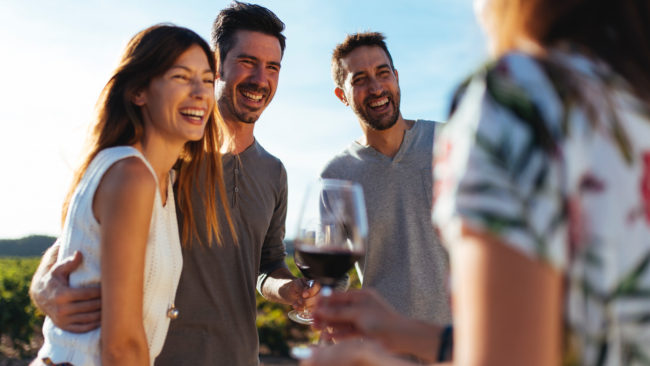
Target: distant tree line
pixel 30 246
pixel 36 245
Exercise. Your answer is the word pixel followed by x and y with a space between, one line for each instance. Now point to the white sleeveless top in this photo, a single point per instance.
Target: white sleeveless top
pixel 163 264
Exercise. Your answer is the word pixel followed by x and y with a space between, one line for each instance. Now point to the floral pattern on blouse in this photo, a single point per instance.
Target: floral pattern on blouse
pixel 553 157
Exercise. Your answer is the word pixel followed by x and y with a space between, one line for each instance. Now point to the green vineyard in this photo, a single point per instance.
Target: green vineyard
pixel 20 320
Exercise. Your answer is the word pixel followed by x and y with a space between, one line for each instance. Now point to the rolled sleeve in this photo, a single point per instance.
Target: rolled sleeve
pixel 491 174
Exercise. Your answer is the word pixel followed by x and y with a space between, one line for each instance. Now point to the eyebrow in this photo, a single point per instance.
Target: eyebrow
pixel 382 66
pixel 188 69
pixel 243 55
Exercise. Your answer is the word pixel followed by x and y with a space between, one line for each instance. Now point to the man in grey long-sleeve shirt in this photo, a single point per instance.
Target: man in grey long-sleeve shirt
pixel 404 261
pixel 216 293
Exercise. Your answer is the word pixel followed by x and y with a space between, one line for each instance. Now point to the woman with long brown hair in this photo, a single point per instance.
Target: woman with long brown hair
pixel 156 111
pixel 542 189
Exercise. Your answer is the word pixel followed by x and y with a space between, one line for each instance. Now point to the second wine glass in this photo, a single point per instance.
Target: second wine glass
pixel 332 231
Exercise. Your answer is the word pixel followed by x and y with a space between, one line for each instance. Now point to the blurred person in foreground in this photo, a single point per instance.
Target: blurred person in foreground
pixel 404 261
pixel 157 108
pixel 542 189
pixel 216 293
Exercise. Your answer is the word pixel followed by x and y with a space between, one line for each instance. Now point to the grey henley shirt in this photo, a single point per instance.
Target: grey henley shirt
pixel 405 263
pixel 216 293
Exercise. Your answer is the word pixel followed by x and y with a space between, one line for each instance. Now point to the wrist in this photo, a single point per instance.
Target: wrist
pixel 416 338
pixel 391 333
pixel 276 286
pixel 277 290
pixel 285 292
pixel 372 355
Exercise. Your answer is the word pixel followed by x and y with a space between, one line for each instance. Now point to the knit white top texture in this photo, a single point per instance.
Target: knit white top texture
pixel 162 271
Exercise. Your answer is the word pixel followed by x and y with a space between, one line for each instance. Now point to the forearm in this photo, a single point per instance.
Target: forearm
pixel 276 286
pixel 375 359
pixel 413 337
pixel 127 350
pixel 48 260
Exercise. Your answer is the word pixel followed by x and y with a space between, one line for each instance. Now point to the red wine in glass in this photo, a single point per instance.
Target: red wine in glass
pixel 302 266
pixel 328 264
pixel 302 317
pixel 305 270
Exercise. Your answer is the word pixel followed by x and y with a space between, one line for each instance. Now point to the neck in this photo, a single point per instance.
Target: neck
pixel 161 154
pixel 240 137
pixel 387 142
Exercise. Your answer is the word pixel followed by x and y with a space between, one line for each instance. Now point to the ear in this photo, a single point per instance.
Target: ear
pixel 396 75
pixel 341 95
pixel 139 98
pixel 218 63
pixel 217 75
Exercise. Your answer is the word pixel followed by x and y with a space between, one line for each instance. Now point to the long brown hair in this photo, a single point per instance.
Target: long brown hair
pixel 119 122
pixel 617 31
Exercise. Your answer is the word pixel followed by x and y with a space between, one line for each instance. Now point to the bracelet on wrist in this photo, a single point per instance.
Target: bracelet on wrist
pixel 446 344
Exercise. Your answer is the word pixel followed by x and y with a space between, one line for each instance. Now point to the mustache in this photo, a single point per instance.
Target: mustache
pixel 252 87
pixel 382 95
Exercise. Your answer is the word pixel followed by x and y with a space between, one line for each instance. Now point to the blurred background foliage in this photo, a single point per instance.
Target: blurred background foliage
pixel 20 320
pixel 277 332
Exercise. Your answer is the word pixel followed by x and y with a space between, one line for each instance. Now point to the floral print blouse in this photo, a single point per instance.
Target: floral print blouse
pixel 553 157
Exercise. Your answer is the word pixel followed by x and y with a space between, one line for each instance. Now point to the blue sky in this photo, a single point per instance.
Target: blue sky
pixel 57 56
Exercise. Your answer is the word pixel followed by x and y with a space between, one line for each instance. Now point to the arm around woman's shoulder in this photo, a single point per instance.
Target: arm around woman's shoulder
pixel 123 206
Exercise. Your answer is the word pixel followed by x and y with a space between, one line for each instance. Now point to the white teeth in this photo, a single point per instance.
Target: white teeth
pixel 379 103
pixel 256 98
pixel 193 112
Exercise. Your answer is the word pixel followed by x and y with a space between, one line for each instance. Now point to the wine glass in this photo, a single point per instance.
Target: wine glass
pixel 302 317
pixel 332 233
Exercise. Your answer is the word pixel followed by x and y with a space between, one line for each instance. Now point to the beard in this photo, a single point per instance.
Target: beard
pixel 246 114
pixel 381 123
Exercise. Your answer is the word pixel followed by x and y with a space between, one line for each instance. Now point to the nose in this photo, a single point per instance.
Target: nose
pixel 375 87
pixel 200 90
pixel 259 77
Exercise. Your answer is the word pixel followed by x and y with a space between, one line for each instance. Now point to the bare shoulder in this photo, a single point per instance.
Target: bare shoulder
pixel 130 174
pixel 127 183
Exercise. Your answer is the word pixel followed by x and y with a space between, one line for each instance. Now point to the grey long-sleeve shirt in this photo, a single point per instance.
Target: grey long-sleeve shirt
pixel 216 293
pixel 404 261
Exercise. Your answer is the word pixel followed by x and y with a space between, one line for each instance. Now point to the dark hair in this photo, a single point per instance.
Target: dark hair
pixel 352 42
pixel 618 31
pixel 119 122
pixel 244 16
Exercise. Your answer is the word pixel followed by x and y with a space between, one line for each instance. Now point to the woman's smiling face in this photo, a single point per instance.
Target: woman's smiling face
pixel 178 103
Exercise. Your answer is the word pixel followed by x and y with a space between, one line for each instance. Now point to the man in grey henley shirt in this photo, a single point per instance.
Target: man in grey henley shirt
pixel 216 292
pixel 404 262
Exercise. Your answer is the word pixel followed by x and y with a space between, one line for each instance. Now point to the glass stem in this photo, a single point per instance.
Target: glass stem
pixel 310 284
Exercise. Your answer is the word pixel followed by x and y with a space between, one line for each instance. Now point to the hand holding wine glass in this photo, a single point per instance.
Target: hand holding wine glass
pixel 302 317
pixel 332 232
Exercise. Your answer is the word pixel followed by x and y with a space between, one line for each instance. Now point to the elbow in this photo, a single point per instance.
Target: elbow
pixel 126 351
